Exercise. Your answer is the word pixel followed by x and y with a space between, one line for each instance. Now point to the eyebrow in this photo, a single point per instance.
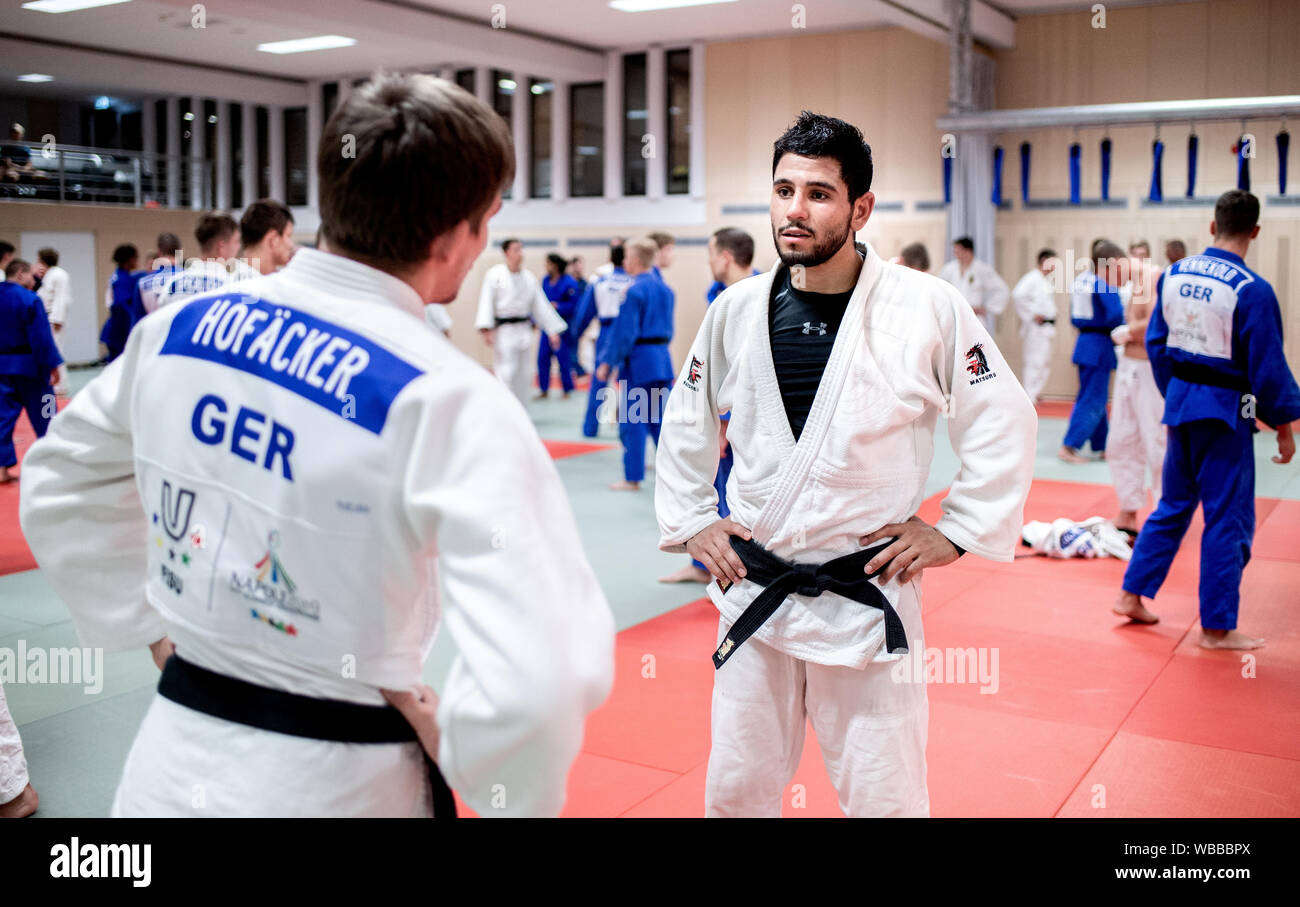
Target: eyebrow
pixel 785 180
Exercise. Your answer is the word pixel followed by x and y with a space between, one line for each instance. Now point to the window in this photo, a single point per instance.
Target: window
pixel 635 123
pixel 329 99
pixel 503 97
pixel 539 131
pixel 263 153
pixel 187 148
pixel 465 79
pixel 237 197
pixel 587 140
pixel 678 71
pixel 295 155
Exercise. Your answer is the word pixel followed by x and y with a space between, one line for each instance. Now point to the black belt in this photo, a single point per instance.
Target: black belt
pixel 24 350
pixel 842 575
pixel 1048 321
pixel 1194 373
pixel 652 341
pixel 606 322
pixel 236 700
pixel 516 320
pixel 1105 331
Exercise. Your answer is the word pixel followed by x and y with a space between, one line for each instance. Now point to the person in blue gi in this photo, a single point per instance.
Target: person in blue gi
pixel 562 291
pixel 638 354
pixel 29 361
pixel 1215 342
pixel 602 300
pixel 150 286
pixel 731 259
pixel 578 271
pixel 122 306
pixel 1095 309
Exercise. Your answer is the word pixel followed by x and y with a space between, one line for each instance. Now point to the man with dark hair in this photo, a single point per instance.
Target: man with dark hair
pixel 602 302
pixel 218 237
pixel 322 481
pixel 983 288
pixel 509 304
pixel 165 266
pixel 815 482
pixel 1175 251
pixel 266 236
pixel 55 290
pixel 1215 342
pixel 1035 299
pixel 915 257
pixel 6 255
pixel 562 292
pixel 120 300
pixel 1095 309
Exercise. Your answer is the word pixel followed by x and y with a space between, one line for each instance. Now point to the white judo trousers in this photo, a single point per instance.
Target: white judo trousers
pixel 514 358
pixel 1136 444
pixel 909 349
pixel 871 729
pixel 13 765
pixel 1037 347
pixel 515 294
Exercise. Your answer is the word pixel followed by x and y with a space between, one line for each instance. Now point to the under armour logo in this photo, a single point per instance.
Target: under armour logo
pixel 819 328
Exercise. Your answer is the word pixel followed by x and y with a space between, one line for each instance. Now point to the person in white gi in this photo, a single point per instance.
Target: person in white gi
pixel 295 484
pixel 1035 299
pixel 218 238
pixel 56 293
pixel 510 302
pixel 825 466
pixel 17 796
pixel 1135 447
pixel 978 282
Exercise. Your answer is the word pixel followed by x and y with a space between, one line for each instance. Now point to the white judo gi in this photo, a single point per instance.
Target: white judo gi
pixel 13 765
pixel 297 482
pixel 201 275
pixel 981 286
pixel 909 348
pixel 56 293
pixel 515 294
pixel 1035 295
pixel 1135 446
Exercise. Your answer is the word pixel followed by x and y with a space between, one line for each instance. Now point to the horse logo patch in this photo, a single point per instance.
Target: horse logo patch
pixel 977 364
pixel 694 373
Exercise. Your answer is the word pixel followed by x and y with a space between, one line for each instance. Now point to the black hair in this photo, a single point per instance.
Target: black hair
pixel 817 135
pixel 123 254
pixel 1235 213
pixel 506 243
pixel 616 254
pixel 965 242
pixel 1044 254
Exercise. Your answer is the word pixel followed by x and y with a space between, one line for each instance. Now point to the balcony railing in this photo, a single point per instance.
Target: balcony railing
pixel 70 173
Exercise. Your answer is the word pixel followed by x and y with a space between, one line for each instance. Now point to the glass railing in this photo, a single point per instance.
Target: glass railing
pixel 69 173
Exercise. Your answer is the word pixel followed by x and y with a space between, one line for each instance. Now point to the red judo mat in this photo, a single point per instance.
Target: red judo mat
pixel 1091 716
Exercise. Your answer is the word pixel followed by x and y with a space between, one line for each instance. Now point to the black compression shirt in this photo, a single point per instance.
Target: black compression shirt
pixel 803 327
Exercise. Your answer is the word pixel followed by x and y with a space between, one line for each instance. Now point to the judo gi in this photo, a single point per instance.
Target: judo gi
pixel 1135 448
pixel 298 484
pixel 201 275
pixel 907 349
pixel 122 312
pixel 152 284
pixel 981 286
pixel 13 764
pixel 56 292
pixel 1096 310
pixel 602 301
pixel 1033 296
pixel 436 317
pixel 564 296
pixel 639 350
pixel 28 356
pixel 1215 342
pixel 508 305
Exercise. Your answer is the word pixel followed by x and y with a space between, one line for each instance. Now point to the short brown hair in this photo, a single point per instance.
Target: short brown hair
pixel 428 155
pixel 643 250
pixel 1235 213
pixel 260 218
pixel 50 257
pixel 213 226
pixel 915 256
pixel 15 267
pixel 661 239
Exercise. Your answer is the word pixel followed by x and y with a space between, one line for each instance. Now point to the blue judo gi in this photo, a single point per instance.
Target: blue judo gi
pixel 1215 343
pixel 27 358
pixel 603 299
pixel 563 294
pixel 639 350
pixel 1095 313
pixel 124 310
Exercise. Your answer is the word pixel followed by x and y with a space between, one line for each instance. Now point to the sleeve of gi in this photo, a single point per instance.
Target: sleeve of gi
pixel 1157 335
pixel 81 513
pixel 544 313
pixel 60 299
pixel 534 632
pixel 624 330
pixel 993 430
pixel 686 460
pixel 1259 327
pixel 485 319
pixel 41 339
pixel 1023 297
pixel 995 292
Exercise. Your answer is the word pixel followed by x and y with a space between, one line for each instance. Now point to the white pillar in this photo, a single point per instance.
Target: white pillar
pixel 148 132
pixel 248 139
pixel 656 121
pixel 613 124
pixel 315 125
pixel 519 110
pixel 198 152
pixel 225 196
pixel 698 120
pixel 275 151
pixel 174 165
pixel 560 116
pixel 483 84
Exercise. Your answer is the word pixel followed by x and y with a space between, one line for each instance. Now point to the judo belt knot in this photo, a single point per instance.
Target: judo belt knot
pixel 844 576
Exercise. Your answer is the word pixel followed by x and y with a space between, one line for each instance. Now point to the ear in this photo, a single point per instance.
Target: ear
pixel 862 210
pixel 1214 229
pixel 444 246
pixel 1255 232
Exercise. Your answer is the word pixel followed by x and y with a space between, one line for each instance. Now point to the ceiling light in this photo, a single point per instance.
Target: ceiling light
pixel 102 103
pixel 645 6
pixel 189 117
pixel 68 6
pixel 213 118
pixel 506 84
pixel 302 45
pixel 36 77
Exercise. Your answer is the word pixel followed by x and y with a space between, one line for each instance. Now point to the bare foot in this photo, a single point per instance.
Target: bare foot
pixel 1130 606
pixel 541 396
pixel 21 806
pixel 1102 455
pixel 6 477
pixel 1228 639
pixel 1070 455
pixel 1127 521
pixel 625 486
pixel 688 574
